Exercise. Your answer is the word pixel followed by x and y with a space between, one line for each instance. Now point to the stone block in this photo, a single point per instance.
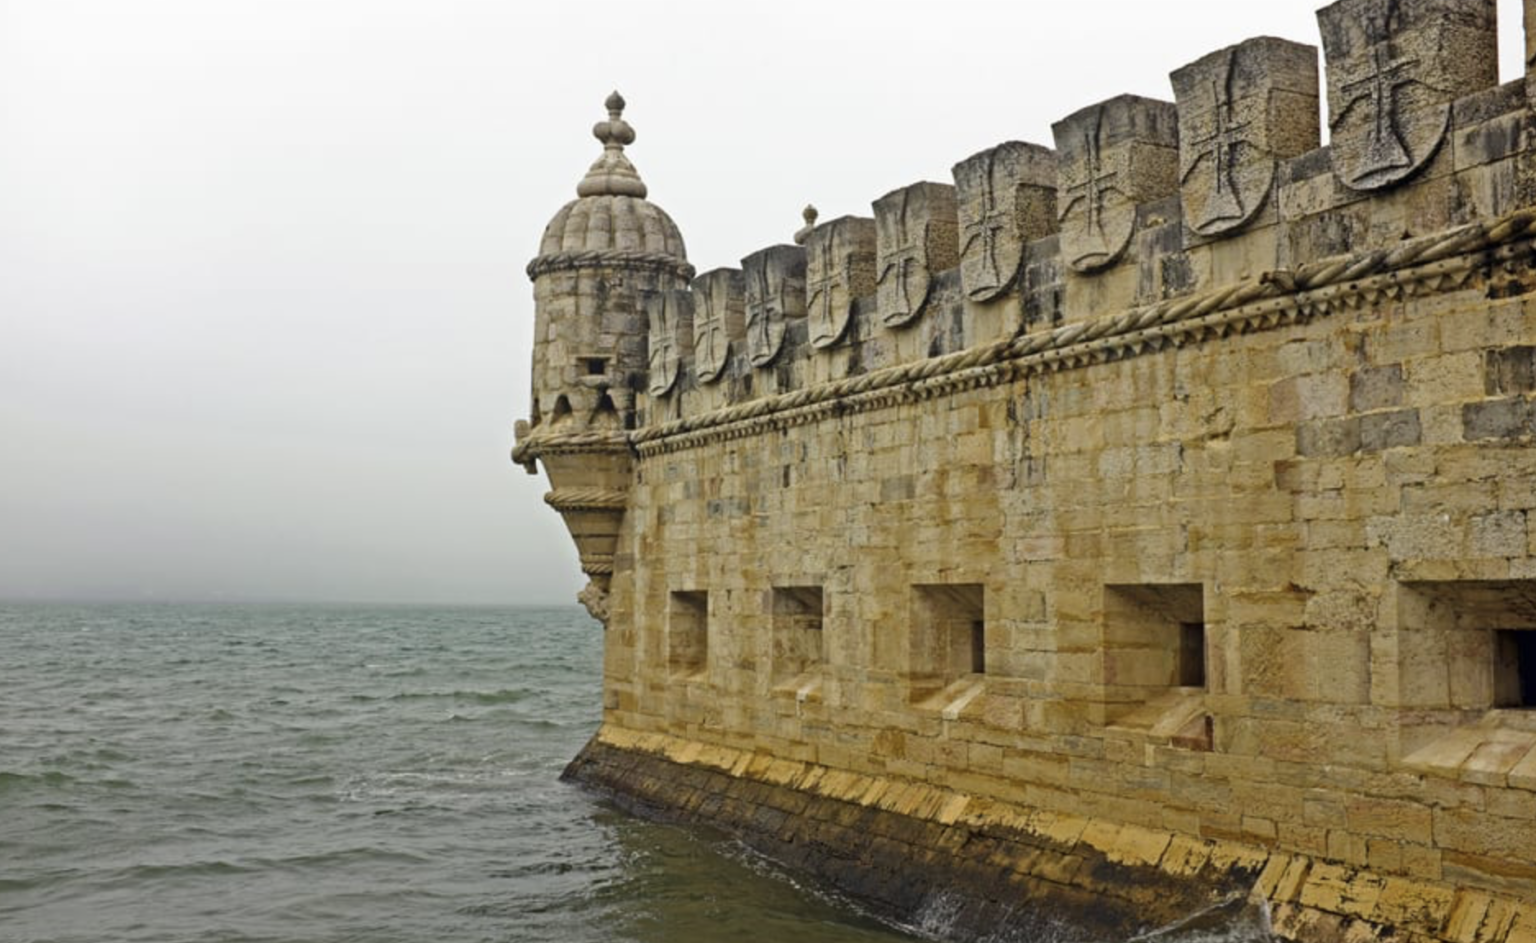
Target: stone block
pixel 1390 818
pixel 1511 418
pixel 1473 832
pixel 1387 430
pixel 1328 438
pixel 1510 370
pixel 1373 388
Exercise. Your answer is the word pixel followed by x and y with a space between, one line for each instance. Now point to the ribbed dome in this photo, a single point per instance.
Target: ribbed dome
pixel 611 214
pixel 626 223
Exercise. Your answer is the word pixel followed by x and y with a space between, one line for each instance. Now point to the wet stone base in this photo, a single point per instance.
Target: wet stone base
pixel 975 868
pixel 993 880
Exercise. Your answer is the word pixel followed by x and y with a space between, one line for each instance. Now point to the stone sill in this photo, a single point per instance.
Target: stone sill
pixel 1499 751
pixel 955 697
pixel 805 688
pixel 1178 718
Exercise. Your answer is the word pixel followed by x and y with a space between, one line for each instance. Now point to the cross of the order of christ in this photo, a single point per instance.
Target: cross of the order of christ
pixel 905 252
pixel 768 309
pixel 826 273
pixel 992 223
pixel 1225 201
pixel 1095 185
pixel 1385 150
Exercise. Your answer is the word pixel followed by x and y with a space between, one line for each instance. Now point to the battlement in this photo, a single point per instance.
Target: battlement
pixel 1216 200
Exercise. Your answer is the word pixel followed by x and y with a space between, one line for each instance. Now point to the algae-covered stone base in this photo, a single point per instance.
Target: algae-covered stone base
pixel 1002 871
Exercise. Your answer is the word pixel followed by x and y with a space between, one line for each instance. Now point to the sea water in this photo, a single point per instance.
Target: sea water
pixel 276 773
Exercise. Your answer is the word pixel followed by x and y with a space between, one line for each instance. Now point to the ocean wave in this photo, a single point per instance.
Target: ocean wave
pixel 16 782
pixel 503 696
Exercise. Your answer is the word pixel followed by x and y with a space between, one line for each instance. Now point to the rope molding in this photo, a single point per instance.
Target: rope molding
pixel 568 443
pixel 1439 262
pixel 597 564
pixel 600 258
pixel 586 499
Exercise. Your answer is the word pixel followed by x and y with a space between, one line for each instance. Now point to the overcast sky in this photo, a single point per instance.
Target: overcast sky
pixel 264 327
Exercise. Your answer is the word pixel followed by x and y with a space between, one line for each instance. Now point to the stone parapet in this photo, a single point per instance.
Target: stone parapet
pixel 1145 201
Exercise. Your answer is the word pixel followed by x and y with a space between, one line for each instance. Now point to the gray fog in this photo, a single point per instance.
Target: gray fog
pixel 264 327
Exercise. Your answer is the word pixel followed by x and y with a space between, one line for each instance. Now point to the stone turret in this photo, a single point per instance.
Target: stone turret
pixel 603 257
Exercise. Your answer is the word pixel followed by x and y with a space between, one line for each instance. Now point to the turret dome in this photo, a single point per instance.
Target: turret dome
pixel 611 220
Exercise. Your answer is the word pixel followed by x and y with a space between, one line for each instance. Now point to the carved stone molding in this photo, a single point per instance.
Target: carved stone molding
pixel 1114 155
pixel 1240 111
pixel 839 269
pixel 719 306
pixel 669 319
pixel 1006 197
pixel 1394 68
pixel 586 499
pixel 916 234
pixel 1441 262
pixel 775 295
pixel 610 258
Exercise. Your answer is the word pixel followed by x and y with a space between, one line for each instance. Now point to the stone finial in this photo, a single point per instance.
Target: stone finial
pixel 613 174
pixel 809 214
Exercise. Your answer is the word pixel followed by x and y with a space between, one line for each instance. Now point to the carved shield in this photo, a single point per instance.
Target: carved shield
pixel 1001 194
pixel 718 305
pixel 669 312
pixel 775 293
pixel 1240 110
pixel 1114 155
pixel 1394 67
pixel 839 269
pixel 916 234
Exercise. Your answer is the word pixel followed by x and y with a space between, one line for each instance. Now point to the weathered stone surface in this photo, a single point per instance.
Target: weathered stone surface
pixel 840 269
pixel 1240 111
pixel 1007 198
pixel 1198 546
pixel 669 316
pixel 719 320
pixel 774 297
pixel 1394 67
pixel 917 235
pixel 1113 155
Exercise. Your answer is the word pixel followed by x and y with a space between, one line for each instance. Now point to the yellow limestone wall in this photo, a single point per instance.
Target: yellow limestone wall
pixel 1221 550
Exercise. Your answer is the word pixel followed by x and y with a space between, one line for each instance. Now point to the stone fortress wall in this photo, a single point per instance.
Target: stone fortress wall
pixel 1146 518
